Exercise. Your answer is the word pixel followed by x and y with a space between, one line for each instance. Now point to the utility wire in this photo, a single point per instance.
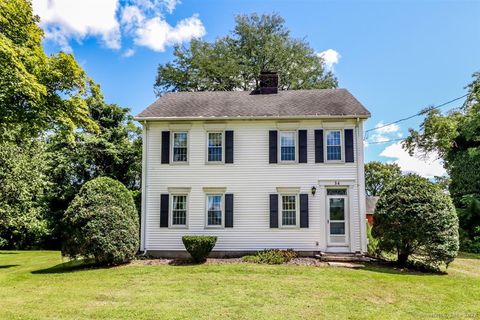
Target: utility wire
pixel 385 141
pixel 417 114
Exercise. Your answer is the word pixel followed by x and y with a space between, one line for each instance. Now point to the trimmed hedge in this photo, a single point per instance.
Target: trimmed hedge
pixel 415 219
pixel 101 223
pixel 199 246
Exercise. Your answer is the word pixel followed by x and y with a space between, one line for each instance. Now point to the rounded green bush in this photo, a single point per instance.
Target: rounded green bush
pixel 199 246
pixel 101 223
pixel 414 218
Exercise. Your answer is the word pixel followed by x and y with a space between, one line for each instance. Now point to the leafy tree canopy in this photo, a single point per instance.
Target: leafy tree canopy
pixel 24 184
pixel 234 62
pixel 37 92
pixel 378 175
pixel 455 136
pixel 114 151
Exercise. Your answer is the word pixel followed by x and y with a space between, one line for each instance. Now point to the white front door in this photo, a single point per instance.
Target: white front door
pixel 337 217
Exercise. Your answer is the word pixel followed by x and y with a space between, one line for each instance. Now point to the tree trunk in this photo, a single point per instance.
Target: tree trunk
pixel 402 258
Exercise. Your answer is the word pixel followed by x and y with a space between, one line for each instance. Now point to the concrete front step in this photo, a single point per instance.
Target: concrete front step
pixel 342 257
pixel 346 265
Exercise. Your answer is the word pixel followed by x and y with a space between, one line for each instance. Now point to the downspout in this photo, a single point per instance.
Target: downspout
pixel 361 187
pixel 144 187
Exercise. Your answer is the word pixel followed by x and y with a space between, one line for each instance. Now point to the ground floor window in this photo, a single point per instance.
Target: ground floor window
pixel 179 210
pixel 289 210
pixel 214 210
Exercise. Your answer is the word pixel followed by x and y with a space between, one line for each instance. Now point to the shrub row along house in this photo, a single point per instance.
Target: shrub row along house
pixel 259 170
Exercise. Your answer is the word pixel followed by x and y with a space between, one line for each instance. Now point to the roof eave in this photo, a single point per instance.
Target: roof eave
pixel 350 116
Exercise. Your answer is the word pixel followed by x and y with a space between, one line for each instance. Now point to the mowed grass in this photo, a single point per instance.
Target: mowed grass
pixel 34 286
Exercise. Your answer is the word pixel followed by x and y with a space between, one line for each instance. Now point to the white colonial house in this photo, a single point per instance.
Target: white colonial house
pixel 259 170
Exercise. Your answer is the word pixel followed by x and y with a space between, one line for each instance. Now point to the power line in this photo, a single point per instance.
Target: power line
pixel 384 141
pixel 418 114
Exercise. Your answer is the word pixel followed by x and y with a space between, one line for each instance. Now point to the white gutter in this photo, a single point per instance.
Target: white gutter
pixel 144 186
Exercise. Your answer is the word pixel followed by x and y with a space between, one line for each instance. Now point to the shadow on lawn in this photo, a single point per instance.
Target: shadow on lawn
pixel 72 266
pixel 392 268
pixel 7 252
pixel 6 266
pixel 469 256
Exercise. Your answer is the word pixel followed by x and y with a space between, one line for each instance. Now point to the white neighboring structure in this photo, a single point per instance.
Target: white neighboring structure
pixel 277 170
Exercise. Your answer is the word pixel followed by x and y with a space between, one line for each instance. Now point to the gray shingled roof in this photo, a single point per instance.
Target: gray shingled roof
pixel 244 104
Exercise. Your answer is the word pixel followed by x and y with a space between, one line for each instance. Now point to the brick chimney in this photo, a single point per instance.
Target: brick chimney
pixel 268 82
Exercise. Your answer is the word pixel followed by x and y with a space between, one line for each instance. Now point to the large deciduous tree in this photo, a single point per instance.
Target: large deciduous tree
pixel 56 133
pixel 114 151
pixel 37 92
pixel 455 136
pixel 234 62
pixel 378 175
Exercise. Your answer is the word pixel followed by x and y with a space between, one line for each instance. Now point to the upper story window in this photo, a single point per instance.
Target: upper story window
pixel 179 153
pixel 214 210
pixel 287 145
pixel 334 145
pixel 215 147
pixel 179 210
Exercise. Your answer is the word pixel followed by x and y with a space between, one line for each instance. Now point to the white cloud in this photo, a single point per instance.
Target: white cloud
pixel 142 21
pixel 63 19
pixel 384 133
pixel 330 58
pixel 425 166
pixel 156 33
pixel 131 16
pixel 128 53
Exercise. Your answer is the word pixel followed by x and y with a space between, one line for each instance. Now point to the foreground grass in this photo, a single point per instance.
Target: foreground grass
pixel 34 285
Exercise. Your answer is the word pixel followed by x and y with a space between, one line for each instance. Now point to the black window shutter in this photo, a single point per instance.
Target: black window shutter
pixel 274 211
pixel 164 210
pixel 273 153
pixel 228 210
pixel 318 146
pixel 349 145
pixel 165 146
pixel 302 146
pixel 304 210
pixel 229 146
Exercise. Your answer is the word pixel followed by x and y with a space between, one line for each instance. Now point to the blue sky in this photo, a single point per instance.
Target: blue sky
pixel 396 57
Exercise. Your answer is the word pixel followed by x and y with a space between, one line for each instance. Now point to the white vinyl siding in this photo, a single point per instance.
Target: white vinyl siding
pixel 252 179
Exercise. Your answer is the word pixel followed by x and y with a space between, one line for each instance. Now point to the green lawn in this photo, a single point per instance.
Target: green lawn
pixel 31 287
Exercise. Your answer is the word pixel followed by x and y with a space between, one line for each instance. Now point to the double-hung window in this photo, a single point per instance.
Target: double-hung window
pixel 215 147
pixel 289 210
pixel 180 148
pixel 179 210
pixel 334 145
pixel 214 210
pixel 287 146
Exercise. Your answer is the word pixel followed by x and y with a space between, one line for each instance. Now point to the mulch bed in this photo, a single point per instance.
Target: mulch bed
pixel 214 261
